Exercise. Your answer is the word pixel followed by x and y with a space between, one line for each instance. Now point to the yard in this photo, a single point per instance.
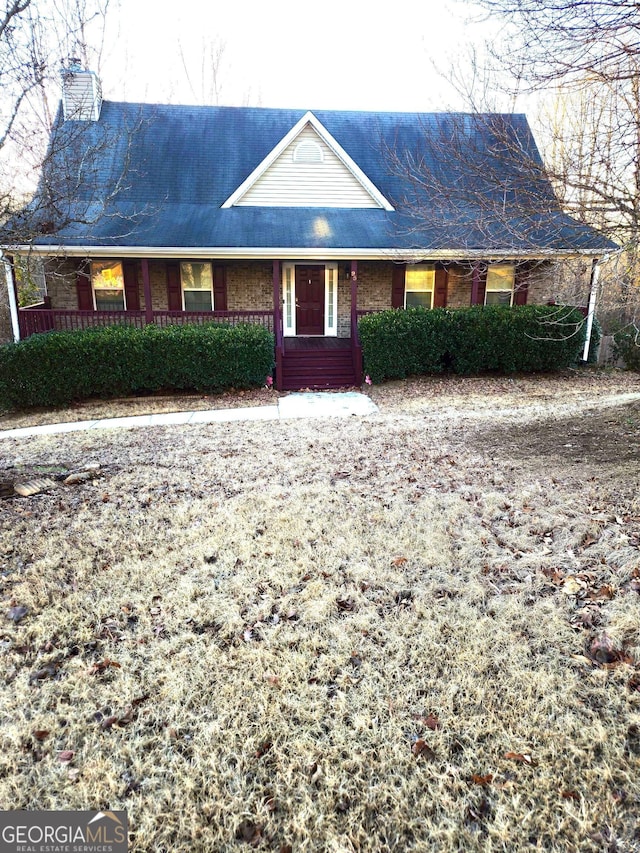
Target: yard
pixel 414 631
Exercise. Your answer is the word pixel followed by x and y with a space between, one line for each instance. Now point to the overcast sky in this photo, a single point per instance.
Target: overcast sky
pixel 333 54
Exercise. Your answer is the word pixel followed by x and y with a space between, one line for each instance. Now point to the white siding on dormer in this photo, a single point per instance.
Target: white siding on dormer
pixel 287 183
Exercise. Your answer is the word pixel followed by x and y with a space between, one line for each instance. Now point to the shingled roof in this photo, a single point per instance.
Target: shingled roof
pixel 157 177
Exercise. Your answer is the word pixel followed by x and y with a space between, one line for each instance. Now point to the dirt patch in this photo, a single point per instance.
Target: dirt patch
pixel 605 437
pixel 408 631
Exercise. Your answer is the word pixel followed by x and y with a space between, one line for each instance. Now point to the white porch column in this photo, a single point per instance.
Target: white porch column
pixel 13 304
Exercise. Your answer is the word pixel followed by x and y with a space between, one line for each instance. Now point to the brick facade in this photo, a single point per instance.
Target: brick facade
pixel 250 286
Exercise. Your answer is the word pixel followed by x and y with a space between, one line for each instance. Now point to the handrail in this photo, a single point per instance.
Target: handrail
pixel 35 320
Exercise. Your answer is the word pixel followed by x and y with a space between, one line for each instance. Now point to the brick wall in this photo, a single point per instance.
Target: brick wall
pixel 61 284
pixel 548 282
pixel 249 285
pixel 459 281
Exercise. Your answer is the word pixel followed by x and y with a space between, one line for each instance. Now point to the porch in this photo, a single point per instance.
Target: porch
pixel 314 361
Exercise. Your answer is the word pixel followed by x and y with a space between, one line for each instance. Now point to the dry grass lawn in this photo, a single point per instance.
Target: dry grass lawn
pixel 414 631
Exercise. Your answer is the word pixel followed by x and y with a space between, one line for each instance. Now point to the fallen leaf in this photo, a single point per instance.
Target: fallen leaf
pixel 582 659
pixel 572 586
pixel 102 666
pixel 482 780
pixel 606 592
pixel 249 832
pixel 430 721
pixel 41 734
pixel 263 748
pixel 398 561
pixel 570 795
pixel 521 758
pixel 421 747
pixel 347 604
pixel 66 756
pixel 604 652
pixel 108 722
pixel 47 671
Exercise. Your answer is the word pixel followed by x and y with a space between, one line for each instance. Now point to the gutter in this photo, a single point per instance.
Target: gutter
pixel 13 304
pixel 292 253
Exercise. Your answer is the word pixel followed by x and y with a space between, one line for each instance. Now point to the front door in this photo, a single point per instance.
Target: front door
pixel 310 300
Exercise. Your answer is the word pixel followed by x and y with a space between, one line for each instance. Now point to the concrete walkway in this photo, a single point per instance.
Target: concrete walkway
pixel 302 405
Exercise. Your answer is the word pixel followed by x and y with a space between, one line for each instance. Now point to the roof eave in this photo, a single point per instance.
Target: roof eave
pixel 301 253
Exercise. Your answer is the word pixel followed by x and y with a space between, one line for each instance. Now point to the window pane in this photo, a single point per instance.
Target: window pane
pixel 109 300
pixel 498 297
pixel 501 277
pixel 420 277
pixel 197 300
pixel 418 300
pixel 196 276
pixel 108 285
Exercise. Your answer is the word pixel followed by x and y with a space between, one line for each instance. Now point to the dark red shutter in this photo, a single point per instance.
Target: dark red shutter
pixel 83 287
pixel 174 291
pixel 397 286
pixel 131 290
pixel 440 289
pixel 220 288
pixel 521 289
pixel 482 286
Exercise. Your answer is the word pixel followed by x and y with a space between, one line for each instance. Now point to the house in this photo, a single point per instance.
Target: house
pixel 298 220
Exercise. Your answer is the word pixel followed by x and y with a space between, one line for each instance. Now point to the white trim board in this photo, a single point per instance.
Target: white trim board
pixel 278 253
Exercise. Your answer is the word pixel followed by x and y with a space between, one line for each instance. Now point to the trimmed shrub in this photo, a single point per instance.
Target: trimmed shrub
pixel 627 347
pixel 400 343
pixel 59 367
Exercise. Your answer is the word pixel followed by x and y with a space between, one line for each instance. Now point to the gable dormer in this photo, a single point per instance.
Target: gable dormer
pixel 308 168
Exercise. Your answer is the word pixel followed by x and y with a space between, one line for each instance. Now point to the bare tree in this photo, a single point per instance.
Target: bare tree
pixel 36 37
pixel 583 58
pixel 203 70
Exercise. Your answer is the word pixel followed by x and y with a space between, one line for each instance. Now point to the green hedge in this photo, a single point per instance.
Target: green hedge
pixel 400 343
pixel 627 347
pixel 59 367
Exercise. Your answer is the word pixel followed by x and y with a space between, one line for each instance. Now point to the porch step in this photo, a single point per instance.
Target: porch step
pixel 317 369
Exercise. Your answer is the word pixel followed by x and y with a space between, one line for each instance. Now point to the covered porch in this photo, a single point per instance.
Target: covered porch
pixel 301 361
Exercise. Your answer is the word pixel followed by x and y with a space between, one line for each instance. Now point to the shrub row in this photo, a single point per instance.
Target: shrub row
pixel 627 347
pixel 400 343
pixel 60 367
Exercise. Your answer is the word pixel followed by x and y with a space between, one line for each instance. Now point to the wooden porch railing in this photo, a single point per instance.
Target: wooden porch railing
pixel 35 319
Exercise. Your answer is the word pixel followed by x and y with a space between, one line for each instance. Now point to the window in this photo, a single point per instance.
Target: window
pixel 500 281
pixel 108 285
pixel 418 286
pixel 197 285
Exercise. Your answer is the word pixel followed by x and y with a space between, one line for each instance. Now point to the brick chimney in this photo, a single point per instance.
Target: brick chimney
pixel 81 93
